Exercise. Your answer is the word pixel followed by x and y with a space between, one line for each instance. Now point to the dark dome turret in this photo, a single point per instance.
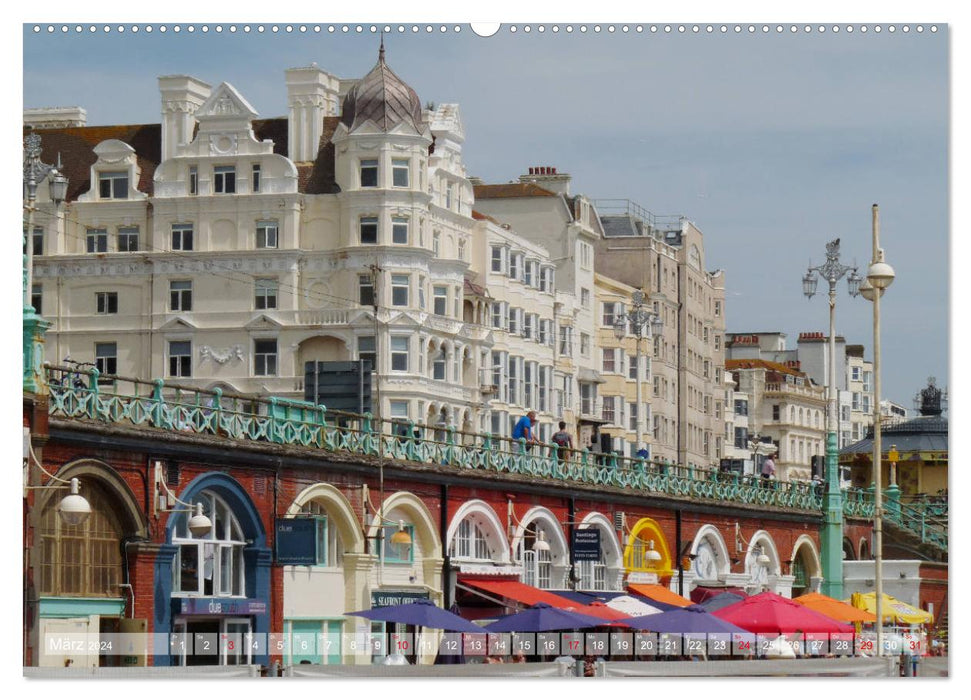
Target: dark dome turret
pixel 383 98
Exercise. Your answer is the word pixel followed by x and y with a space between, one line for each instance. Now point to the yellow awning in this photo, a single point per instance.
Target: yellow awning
pixel 894 610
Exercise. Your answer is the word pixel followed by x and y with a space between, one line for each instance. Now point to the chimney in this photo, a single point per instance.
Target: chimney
pixel 55 117
pixel 546 177
pixel 182 95
pixel 312 94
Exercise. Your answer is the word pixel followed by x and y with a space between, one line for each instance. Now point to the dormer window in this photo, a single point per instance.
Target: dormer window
pixel 113 185
pixel 369 173
pixel 224 179
pixel 399 172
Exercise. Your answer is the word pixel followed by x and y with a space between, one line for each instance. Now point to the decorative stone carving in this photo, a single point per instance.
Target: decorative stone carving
pixel 222 144
pixel 221 357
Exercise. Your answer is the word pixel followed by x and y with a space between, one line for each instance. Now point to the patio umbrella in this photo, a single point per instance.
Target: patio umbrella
pixel 896 611
pixel 632 607
pixel 702 594
pixel 836 609
pixel 422 613
pixel 600 610
pixel 543 617
pixel 768 613
pixel 692 619
pixel 722 600
pixel 657 592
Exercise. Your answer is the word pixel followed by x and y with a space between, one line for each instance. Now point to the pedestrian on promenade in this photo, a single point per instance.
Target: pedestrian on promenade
pixel 768 469
pixel 524 430
pixel 564 442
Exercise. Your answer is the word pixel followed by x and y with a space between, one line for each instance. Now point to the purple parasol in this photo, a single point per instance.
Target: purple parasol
pixel 692 618
pixel 423 613
pixel 543 617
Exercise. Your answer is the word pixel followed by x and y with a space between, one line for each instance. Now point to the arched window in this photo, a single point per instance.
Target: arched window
pixel 537 563
pixel 209 564
pixel 470 543
pixel 330 549
pixel 83 561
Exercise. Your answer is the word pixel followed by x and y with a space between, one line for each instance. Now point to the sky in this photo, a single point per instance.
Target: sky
pixel 772 144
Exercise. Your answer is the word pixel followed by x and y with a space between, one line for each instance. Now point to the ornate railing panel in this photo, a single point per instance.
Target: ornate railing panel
pixel 85 394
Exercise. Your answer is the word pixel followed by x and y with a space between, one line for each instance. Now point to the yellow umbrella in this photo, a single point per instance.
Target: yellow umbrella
pixel 894 610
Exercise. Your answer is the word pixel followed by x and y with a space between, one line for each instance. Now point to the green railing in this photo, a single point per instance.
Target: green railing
pixel 927 520
pixel 87 395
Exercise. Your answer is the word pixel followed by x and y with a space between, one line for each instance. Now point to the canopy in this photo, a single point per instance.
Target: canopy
pixel 692 618
pixel 894 610
pixel 722 600
pixel 599 609
pixel 836 609
pixel 520 592
pixel 702 594
pixel 769 613
pixel 659 593
pixel 423 613
pixel 542 618
pixel 629 605
pixel 607 597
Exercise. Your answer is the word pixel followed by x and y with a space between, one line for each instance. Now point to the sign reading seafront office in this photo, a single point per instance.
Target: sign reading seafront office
pixel 586 544
pixel 383 599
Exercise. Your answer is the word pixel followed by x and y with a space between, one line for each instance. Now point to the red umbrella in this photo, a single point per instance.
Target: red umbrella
pixel 768 613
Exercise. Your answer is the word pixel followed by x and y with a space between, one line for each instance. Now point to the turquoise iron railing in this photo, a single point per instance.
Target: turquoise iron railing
pixel 87 395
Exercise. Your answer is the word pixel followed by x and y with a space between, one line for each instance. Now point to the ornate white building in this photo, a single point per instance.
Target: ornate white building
pixel 229 251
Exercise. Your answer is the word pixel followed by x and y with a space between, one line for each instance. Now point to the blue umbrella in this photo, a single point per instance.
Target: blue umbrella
pixel 543 617
pixel 722 600
pixel 423 613
pixel 693 618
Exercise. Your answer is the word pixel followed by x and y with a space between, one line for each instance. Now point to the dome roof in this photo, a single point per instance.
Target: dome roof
pixel 383 98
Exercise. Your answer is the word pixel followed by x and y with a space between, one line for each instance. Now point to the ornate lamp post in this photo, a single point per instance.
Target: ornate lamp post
pixel 879 276
pixel 643 324
pixel 35 171
pixel 832 537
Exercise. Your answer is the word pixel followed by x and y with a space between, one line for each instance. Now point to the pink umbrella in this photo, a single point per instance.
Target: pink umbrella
pixel 768 613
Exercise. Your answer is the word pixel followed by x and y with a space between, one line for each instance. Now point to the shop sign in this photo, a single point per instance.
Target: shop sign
pixel 383 599
pixel 586 544
pixel 221 606
pixel 296 541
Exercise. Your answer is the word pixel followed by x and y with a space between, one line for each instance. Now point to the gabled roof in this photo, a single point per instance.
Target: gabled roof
pixel 76 148
pixel 511 189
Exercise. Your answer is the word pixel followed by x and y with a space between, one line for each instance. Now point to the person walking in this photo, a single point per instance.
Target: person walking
pixel 564 442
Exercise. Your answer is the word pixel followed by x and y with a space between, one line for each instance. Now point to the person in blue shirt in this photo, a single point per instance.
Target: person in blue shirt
pixel 524 429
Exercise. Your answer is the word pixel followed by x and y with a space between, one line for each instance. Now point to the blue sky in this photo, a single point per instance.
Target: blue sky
pixel 772 144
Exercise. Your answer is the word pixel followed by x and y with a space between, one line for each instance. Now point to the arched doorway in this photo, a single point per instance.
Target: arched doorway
pixel 806 569
pixel 196 576
pixel 645 536
pixel 607 573
pixel 316 595
pixel 79 580
pixel 543 567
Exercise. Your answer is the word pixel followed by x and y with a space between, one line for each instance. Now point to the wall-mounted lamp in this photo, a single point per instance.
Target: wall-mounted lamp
pixel 761 558
pixel 652 554
pixel 401 537
pixel 199 523
pixel 540 544
pixel 74 508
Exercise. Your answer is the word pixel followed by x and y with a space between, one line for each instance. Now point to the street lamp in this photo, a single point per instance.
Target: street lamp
pixel 832 272
pixel 879 276
pixel 643 324
pixel 35 171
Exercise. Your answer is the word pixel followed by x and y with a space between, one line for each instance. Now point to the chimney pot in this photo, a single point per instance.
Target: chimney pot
pixel 554 171
pixel 530 170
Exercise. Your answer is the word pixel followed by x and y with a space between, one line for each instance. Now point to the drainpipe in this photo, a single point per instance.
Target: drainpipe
pixel 446 561
pixel 571 517
pixel 677 548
